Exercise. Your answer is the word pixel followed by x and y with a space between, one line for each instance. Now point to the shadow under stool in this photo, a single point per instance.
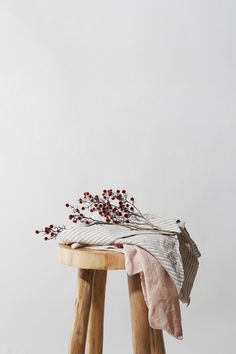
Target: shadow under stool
pixel 87 329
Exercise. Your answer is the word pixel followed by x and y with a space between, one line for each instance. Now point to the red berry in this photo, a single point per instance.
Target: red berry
pixel 118 191
pixel 87 222
pixel 70 217
pixel 124 191
pixel 51 226
pixel 67 205
pixel 132 199
pixel 45 238
pixel 83 208
pixel 37 231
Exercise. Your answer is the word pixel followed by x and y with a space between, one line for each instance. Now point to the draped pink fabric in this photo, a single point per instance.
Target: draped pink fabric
pixel 159 291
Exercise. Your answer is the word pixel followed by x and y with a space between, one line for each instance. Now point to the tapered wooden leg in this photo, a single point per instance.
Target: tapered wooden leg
pixel 139 316
pixel 94 343
pixel 157 342
pixel 82 306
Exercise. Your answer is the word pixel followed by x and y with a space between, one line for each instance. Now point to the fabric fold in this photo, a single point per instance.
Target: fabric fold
pixel 158 288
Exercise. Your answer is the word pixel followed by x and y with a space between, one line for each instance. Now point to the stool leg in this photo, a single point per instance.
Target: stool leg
pixel 139 316
pixel 157 342
pixel 94 344
pixel 82 306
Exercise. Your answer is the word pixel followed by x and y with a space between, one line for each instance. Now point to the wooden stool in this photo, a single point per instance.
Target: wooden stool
pixel 87 328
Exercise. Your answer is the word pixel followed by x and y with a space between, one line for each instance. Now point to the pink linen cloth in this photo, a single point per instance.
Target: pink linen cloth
pixel 158 288
pixel 159 291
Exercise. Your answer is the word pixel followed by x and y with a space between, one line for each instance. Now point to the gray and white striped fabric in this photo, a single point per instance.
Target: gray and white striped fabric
pixel 177 253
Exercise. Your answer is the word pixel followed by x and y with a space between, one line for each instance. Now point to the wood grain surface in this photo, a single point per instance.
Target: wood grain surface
pixel 82 307
pixel 94 343
pixel 139 316
pixel 86 258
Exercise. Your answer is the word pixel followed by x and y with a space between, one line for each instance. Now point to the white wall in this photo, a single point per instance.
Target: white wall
pixel 130 93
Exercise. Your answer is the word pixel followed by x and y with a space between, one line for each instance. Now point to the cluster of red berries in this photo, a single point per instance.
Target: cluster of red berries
pixel 51 231
pixel 113 207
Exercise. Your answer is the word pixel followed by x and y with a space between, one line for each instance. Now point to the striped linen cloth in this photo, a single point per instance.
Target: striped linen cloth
pixel 177 253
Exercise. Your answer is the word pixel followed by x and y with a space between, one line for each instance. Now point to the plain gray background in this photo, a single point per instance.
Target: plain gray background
pixel 125 94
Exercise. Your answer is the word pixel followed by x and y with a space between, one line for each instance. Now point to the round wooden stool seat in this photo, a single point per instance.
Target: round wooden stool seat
pixel 87 258
pixel 87 329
